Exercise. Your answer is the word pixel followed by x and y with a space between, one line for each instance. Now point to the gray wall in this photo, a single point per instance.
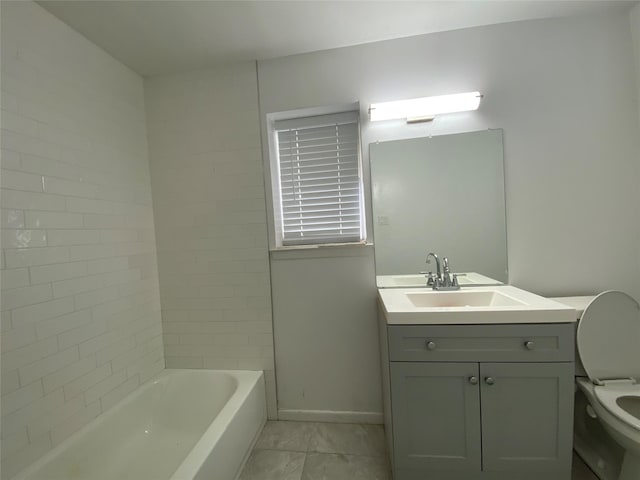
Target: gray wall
pixel 564 92
pixel 634 17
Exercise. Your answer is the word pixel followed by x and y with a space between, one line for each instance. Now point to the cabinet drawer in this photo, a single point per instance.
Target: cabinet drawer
pixel 478 343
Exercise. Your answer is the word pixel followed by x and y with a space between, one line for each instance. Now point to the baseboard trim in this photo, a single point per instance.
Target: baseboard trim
pixel 375 418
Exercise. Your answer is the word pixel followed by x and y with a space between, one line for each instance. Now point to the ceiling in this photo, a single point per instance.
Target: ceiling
pixel 157 37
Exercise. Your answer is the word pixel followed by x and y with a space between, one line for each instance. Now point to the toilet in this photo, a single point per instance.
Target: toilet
pixel 608 342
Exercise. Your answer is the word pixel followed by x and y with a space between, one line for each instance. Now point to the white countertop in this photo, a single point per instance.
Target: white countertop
pixel 579 303
pixel 531 308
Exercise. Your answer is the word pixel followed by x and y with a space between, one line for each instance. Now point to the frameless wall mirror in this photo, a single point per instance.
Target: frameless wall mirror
pixel 441 194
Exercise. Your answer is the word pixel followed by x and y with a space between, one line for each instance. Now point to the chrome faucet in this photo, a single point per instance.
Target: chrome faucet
pixel 438 267
pixel 442 280
pixel 446 273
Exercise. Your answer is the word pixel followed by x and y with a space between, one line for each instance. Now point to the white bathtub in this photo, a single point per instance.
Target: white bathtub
pixel 182 425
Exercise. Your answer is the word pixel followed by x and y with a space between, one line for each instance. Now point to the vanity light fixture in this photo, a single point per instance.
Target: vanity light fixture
pixel 426 108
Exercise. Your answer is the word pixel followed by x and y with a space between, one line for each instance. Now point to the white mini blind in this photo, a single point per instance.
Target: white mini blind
pixel 320 179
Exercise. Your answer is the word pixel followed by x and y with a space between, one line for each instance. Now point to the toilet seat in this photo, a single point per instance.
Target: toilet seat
pixel 608 342
pixel 608 396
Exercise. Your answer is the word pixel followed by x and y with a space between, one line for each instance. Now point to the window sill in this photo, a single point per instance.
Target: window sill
pixel 326 250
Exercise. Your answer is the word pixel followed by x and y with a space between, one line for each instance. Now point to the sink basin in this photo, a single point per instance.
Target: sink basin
pixel 499 304
pixel 461 298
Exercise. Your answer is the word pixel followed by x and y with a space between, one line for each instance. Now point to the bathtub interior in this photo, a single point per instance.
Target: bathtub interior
pixel 203 401
pixel 147 435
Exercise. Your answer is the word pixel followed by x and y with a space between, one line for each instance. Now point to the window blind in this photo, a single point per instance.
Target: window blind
pixel 320 179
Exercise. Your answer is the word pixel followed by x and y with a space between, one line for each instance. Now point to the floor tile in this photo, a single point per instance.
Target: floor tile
pixel 291 436
pixel 348 439
pixel 581 471
pixel 325 466
pixel 273 465
pixel 337 451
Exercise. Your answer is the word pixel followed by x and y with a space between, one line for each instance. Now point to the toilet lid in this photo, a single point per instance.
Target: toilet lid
pixel 609 337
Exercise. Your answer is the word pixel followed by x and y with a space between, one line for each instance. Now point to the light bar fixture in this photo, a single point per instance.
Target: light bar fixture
pixel 424 109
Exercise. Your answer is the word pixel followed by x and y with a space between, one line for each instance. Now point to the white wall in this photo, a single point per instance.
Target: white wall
pixel 80 300
pixel 564 92
pixel 209 207
pixel 324 316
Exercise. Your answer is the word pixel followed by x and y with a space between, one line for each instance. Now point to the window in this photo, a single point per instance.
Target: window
pixel 318 185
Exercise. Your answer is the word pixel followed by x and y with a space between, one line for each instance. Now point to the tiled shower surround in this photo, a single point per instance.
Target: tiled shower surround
pixel 209 209
pixel 81 321
pixel 81 292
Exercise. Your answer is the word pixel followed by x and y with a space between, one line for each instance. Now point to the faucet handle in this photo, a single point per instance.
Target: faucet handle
pixel 454 283
pixel 429 276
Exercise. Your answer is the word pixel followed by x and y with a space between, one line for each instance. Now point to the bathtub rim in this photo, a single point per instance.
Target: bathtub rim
pixel 197 456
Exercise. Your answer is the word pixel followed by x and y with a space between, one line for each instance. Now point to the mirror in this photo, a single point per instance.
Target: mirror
pixel 442 194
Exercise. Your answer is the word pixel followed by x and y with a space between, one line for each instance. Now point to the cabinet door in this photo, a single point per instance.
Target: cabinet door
pixel 527 416
pixel 436 416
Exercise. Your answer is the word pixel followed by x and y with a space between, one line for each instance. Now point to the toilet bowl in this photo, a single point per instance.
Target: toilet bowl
pixel 608 341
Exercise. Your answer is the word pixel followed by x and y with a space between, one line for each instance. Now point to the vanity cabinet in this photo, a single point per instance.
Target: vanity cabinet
pixel 479 401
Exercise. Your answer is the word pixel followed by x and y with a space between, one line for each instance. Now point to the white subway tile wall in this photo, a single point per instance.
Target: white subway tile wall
pixel 80 305
pixel 209 207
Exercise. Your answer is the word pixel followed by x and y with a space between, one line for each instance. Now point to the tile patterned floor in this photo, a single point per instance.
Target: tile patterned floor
pixel 330 451
pixel 318 451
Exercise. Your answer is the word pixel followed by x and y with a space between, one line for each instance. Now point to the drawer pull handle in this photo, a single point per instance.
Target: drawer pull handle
pixel 489 380
pixel 473 380
pixel 431 345
pixel 529 345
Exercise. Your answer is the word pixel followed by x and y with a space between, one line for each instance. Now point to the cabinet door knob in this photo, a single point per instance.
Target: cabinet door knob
pixel 489 380
pixel 473 380
pixel 431 345
pixel 529 345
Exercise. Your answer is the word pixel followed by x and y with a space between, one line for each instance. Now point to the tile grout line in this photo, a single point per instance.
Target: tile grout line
pixel 320 453
pixel 278 450
pixel 304 465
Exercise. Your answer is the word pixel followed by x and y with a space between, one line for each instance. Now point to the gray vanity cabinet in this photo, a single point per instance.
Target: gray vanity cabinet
pixel 436 417
pixel 527 416
pixel 478 402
